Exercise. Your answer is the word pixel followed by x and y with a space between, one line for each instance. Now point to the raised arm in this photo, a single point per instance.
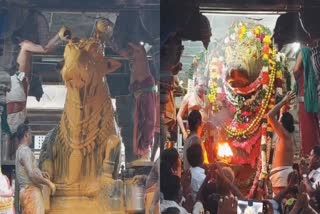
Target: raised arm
pixel 182 110
pixel 37 48
pixel 233 188
pixel 289 98
pixel 63 35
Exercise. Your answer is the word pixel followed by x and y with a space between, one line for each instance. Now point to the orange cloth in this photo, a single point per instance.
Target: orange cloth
pixel 31 200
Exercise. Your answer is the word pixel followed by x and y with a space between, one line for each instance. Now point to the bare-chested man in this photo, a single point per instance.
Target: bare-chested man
pixel 284 148
pixel 196 100
pixel 29 176
pixel 142 85
pixel 17 97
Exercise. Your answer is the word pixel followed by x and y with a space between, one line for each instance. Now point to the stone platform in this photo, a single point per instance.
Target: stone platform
pixel 70 200
pixel 79 205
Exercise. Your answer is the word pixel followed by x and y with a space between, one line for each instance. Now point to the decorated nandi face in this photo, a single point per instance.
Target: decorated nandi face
pixel 247 46
pixel 82 59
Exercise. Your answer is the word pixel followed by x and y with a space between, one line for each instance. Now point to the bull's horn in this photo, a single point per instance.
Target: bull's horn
pixel 65 33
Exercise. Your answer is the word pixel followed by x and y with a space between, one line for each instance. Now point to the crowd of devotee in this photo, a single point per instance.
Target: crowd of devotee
pixel 245 99
pixel 190 186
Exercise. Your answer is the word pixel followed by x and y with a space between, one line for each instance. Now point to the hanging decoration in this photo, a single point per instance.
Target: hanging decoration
pixel 198 62
pixel 215 82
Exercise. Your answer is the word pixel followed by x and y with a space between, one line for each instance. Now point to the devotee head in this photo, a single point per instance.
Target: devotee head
pixel 222 187
pixel 171 158
pixel 171 210
pixel 194 155
pixel 201 86
pixel 23 134
pixel 314 159
pixel 172 191
pixel 194 121
pixel 228 172
pixel 287 122
pixel 211 197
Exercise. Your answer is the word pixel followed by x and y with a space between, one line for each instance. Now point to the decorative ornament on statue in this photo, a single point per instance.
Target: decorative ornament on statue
pixel 104 31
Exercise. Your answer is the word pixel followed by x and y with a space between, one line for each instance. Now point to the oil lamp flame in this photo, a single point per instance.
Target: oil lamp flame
pixel 224 150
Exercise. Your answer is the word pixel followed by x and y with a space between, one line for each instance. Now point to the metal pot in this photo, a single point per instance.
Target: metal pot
pixel 134 197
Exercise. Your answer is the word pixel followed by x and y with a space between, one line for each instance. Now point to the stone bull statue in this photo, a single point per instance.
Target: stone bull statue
pixel 74 152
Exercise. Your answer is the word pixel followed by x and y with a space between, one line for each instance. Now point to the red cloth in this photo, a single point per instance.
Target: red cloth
pixel 308 123
pixel 144 116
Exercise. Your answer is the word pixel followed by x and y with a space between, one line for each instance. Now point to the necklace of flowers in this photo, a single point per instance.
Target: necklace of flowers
pixel 239 100
pixel 255 124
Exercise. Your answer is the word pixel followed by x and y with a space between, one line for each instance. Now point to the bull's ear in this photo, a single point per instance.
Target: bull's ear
pixel 109 65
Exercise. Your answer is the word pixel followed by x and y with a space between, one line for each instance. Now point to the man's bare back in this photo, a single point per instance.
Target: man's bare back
pixel 284 152
pixel 284 148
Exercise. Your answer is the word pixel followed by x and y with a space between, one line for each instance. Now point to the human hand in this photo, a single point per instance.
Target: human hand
pixel 302 201
pixel 53 188
pixel 185 135
pixel 24 44
pixel 228 205
pixel 303 167
pixel 289 98
pixel 64 33
pixel 46 175
pixel 293 179
pixel 302 187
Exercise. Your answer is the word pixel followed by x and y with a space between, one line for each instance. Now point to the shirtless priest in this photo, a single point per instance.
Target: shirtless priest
pixel 29 176
pixel 284 147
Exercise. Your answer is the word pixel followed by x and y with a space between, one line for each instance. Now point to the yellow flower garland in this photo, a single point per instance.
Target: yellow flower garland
pixel 254 125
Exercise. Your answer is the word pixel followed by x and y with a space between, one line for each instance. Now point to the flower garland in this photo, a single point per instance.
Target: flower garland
pixel 255 124
pixel 197 62
pixel 215 82
pixel 268 77
pixel 245 107
pixel 266 128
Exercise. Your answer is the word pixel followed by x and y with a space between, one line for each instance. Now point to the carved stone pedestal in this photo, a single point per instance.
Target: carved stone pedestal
pixel 108 200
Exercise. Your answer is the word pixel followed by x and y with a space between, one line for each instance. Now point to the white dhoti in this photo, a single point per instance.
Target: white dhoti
pixel 279 176
pixel 16 95
pixel 15 119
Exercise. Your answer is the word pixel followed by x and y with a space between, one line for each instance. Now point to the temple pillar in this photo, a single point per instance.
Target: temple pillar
pixel 169 66
pixel 5 85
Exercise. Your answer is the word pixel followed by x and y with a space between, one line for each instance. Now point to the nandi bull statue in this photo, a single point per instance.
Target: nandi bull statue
pixel 84 146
